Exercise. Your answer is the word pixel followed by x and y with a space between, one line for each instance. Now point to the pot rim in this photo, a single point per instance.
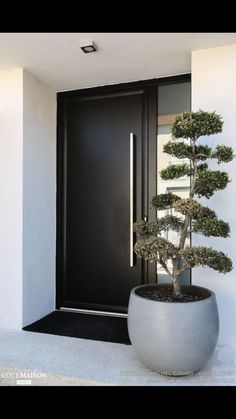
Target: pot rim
pixel 133 292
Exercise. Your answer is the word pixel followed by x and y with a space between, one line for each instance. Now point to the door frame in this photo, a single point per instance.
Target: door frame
pixel 149 164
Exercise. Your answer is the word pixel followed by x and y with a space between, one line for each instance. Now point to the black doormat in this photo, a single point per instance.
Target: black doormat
pixel 85 326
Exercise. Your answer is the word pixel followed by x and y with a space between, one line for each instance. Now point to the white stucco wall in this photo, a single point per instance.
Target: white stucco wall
pixel 39 198
pixel 11 153
pixel 27 198
pixel 214 88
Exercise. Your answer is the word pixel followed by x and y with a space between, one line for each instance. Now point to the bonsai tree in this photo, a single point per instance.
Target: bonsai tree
pixel 188 127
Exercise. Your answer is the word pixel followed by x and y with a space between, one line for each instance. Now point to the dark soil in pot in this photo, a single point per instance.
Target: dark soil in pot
pixel 164 293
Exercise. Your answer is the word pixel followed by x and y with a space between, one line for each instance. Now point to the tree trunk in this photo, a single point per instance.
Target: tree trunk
pixel 176 286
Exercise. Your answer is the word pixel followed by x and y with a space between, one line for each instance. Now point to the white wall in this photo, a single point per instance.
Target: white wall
pixel 27 199
pixel 39 199
pixel 214 88
pixel 11 152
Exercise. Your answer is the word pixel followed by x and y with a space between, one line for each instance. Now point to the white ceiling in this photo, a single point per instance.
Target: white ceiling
pixel 57 59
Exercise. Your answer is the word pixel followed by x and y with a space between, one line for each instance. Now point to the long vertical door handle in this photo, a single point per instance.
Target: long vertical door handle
pixel 131 219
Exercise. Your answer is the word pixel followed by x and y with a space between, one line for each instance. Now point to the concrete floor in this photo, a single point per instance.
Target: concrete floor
pixel 57 360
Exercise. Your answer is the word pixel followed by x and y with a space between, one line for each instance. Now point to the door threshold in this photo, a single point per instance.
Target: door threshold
pixel 95 312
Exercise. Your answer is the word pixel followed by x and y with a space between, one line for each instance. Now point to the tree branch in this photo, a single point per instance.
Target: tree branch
pixel 191 195
pixel 164 265
pixel 202 155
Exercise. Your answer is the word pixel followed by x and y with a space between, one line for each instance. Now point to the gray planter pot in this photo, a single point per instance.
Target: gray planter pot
pixel 173 338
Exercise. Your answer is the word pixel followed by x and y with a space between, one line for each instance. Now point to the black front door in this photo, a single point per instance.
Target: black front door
pixel 97 199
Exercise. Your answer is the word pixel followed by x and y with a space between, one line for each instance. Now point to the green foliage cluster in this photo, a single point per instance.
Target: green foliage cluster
pixel 181 150
pixel 202 152
pixel 193 125
pixel 155 249
pixel 223 154
pixel 153 228
pixel 175 171
pixel 210 181
pixel 211 227
pixel 206 256
pixel 193 217
pixel 193 209
pixel 164 201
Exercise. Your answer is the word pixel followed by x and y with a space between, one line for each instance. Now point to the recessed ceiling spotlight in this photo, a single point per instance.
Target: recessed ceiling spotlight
pixel 88 46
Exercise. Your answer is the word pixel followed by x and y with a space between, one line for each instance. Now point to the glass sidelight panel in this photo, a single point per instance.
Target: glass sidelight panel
pixel 172 100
